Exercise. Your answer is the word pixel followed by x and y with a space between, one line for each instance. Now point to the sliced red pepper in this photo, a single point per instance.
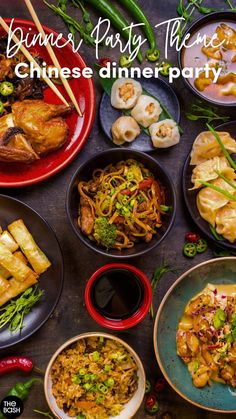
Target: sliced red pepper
pixel 146 183
pixel 126 192
pixel 150 401
pixel 192 237
pixel 102 62
pixel 214 346
pixel 159 385
pixel 119 220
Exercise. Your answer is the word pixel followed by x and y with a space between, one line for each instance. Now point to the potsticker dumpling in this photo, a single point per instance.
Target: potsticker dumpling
pixel 208 171
pixel 209 201
pixel 206 146
pixel 226 222
pixel 146 111
pixel 164 133
pixel 124 129
pixel 125 93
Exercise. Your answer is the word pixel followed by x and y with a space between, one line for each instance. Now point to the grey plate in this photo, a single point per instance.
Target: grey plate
pixel 157 88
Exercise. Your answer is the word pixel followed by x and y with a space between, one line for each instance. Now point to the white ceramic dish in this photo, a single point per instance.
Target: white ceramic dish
pixel 129 409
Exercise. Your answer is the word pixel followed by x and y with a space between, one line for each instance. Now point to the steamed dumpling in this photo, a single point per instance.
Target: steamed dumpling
pixel 226 222
pixel 124 129
pixel 164 133
pixel 209 201
pixel 146 111
pixel 207 171
pixel 206 146
pixel 125 93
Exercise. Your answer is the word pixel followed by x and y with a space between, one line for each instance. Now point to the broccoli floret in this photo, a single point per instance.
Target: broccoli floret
pixel 104 233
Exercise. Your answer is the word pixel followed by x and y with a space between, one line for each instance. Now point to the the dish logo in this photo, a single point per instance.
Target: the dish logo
pixel 11 407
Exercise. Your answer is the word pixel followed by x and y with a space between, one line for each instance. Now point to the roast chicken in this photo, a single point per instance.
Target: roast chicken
pixel 34 128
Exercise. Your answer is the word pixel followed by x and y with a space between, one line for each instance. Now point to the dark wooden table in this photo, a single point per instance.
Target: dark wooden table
pixel 70 317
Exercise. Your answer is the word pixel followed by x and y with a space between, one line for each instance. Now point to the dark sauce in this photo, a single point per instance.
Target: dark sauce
pixel 117 294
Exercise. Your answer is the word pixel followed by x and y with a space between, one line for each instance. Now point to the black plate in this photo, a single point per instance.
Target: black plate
pixel 190 196
pixel 157 88
pixel 100 160
pixel 51 281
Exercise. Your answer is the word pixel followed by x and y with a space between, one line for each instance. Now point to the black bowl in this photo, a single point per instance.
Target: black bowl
pixel 190 195
pixel 199 23
pixel 101 160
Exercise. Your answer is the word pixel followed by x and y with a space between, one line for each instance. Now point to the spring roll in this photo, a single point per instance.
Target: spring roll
pixel 19 270
pixel 8 240
pixel 15 288
pixel 33 253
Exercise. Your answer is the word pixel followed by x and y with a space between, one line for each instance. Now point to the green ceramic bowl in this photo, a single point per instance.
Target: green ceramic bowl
pixel 218 397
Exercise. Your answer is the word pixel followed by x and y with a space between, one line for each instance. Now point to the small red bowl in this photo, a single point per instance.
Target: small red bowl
pixel 136 317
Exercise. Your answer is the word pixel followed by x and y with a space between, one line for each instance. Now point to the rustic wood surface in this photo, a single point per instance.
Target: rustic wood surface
pixel 48 198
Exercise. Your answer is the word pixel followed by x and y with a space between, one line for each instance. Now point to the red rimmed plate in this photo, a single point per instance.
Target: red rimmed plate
pixel 15 175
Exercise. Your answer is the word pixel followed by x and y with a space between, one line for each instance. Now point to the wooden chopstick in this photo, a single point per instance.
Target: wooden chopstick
pixel 32 60
pixel 52 55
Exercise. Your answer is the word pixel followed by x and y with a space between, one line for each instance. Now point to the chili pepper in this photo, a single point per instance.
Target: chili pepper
pixel 165 68
pixel 151 405
pixel 110 12
pixel 190 250
pixel 13 363
pixel 159 385
pixel 102 62
pixel 22 390
pixel 1 108
pixel 153 55
pixel 192 237
pixel 133 7
pixel 201 246
pixel 148 387
pixel 150 401
pixel 124 61
pixel 6 88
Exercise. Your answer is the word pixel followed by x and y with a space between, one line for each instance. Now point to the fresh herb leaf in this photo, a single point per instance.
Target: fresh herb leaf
pixel 45 414
pixel 199 110
pixel 15 311
pixel 71 22
pixel 159 272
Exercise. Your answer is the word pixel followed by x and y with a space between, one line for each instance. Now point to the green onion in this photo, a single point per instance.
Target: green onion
pixel 217 189
pixel 100 399
pixel 165 208
pixel 96 356
pixel 76 379
pixel 225 152
pixel 87 386
pixel 215 234
pixel 110 382
pixel 107 368
pixel 226 179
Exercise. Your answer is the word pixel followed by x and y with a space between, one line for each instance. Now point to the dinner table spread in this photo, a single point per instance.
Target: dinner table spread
pixel 70 317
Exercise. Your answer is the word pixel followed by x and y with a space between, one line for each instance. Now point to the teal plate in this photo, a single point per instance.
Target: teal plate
pixel 217 397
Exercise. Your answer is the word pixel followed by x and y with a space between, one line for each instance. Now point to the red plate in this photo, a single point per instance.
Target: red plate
pixel 15 175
